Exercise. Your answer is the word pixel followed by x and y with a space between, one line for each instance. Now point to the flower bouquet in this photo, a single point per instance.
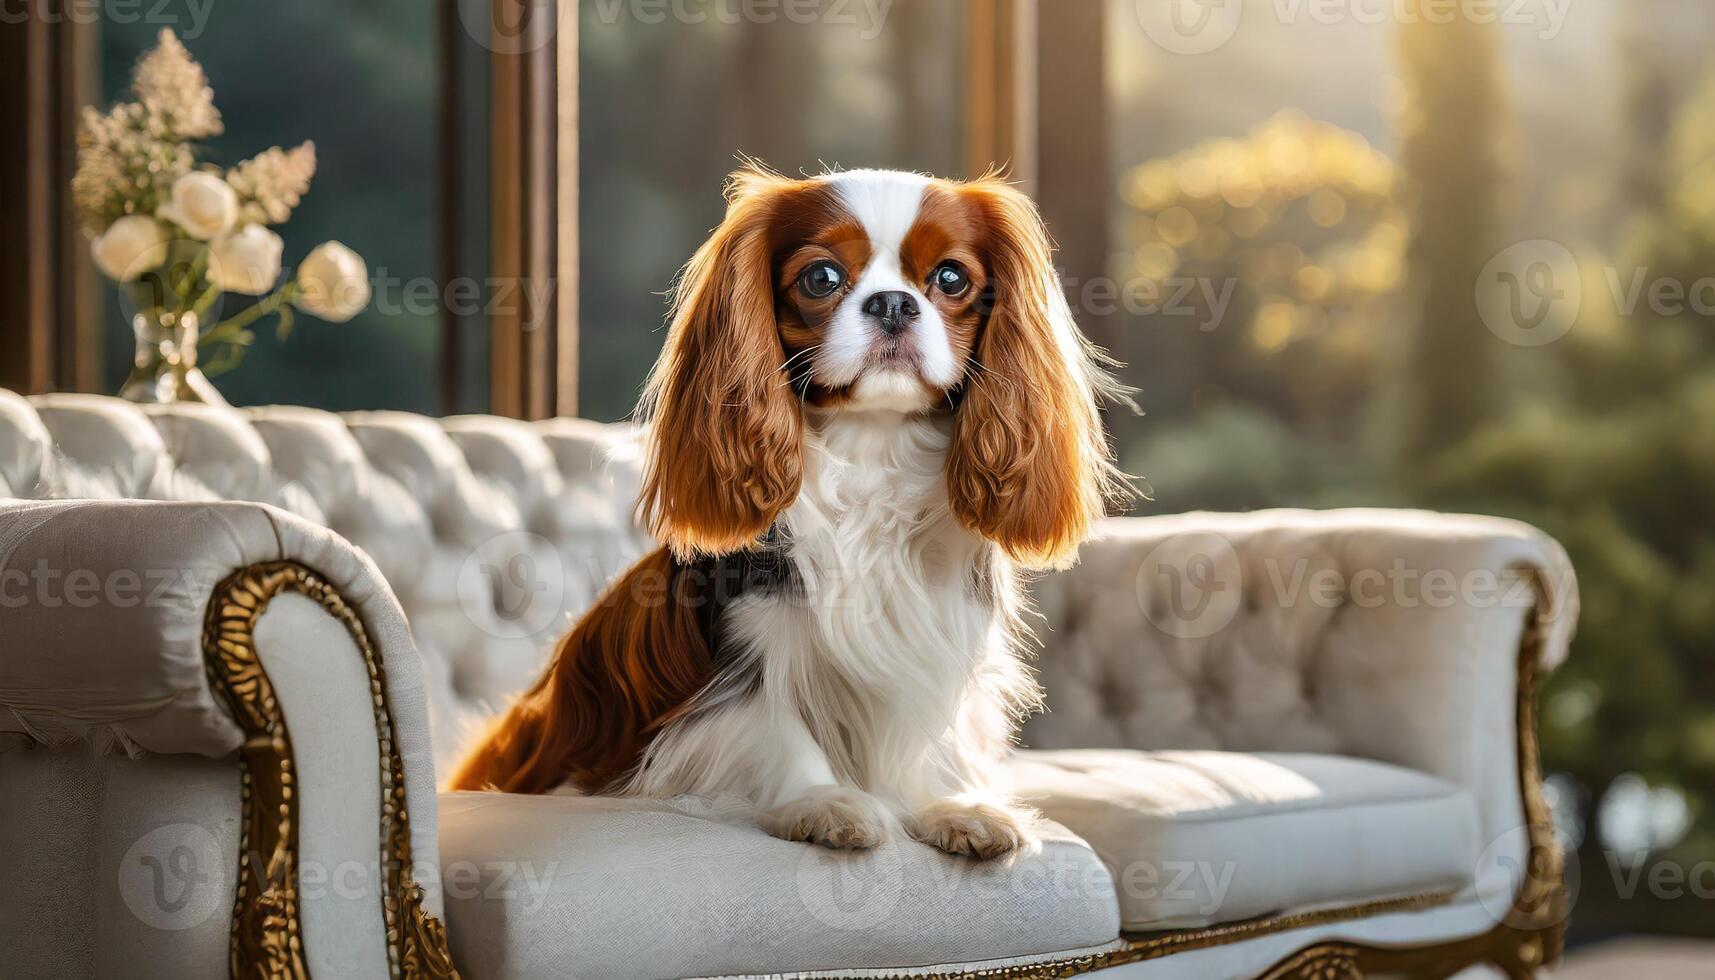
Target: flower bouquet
pixel 177 234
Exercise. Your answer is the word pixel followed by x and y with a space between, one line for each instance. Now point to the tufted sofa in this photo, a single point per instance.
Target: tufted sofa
pixel 237 646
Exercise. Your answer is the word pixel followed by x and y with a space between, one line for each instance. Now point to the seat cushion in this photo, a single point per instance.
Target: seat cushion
pixel 1196 838
pixel 569 886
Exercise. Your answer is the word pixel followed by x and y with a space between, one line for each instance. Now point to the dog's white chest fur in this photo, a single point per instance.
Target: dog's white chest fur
pixel 886 666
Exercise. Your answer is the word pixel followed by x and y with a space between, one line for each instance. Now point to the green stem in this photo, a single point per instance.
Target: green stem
pixel 224 331
pixel 199 262
pixel 205 301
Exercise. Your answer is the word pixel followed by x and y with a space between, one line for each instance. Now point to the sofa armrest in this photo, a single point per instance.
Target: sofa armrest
pixel 237 629
pixel 1403 636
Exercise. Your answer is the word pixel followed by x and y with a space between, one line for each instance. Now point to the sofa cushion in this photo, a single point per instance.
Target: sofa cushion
pixel 1195 838
pixel 574 886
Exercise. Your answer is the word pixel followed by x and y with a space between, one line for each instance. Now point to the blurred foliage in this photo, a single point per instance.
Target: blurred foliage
pixel 1298 221
pixel 1618 462
pixel 1272 257
pixel 1381 384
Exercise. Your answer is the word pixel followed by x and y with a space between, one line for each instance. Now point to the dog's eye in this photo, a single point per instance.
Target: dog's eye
pixel 950 278
pixel 820 279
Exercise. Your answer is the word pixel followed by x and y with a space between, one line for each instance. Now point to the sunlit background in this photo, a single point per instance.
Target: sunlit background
pixel 1297 220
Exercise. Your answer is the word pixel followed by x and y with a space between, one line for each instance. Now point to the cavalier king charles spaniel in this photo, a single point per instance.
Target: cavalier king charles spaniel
pixel 872 412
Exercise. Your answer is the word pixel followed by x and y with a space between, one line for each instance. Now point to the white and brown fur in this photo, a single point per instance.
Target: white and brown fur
pixel 831 627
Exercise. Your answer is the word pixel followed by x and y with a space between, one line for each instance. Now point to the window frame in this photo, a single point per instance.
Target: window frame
pixel 49 309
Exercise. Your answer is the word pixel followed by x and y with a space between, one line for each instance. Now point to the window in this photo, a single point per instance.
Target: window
pixel 365 83
pixel 795 95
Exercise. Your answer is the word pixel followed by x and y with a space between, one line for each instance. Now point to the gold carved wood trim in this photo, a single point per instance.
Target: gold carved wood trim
pixel 267 940
pixel 1153 946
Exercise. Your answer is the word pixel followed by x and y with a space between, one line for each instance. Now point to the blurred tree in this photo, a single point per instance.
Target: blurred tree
pixel 1451 155
pixel 1605 438
pixel 1618 462
pixel 1259 267
pixel 1650 90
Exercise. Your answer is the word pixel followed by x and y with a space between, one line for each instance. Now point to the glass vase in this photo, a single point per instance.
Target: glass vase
pixel 165 368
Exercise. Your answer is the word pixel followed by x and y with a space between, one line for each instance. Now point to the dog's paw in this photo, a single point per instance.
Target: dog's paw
pixel 832 816
pixel 982 830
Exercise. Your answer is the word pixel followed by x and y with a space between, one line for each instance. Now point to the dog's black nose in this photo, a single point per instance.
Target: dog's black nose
pixel 892 309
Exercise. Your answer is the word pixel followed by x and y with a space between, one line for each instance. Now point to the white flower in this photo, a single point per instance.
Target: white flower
pixel 246 261
pixel 335 283
pixel 131 246
pixel 203 205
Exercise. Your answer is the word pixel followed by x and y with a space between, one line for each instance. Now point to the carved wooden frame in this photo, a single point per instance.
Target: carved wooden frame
pixel 266 938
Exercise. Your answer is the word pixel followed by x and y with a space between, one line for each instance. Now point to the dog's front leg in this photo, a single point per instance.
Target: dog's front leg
pixel 808 802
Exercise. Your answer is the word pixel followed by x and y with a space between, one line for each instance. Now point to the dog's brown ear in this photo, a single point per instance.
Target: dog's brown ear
pixel 725 452
pixel 1029 467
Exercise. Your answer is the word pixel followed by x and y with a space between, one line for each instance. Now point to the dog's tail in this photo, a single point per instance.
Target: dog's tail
pixel 510 756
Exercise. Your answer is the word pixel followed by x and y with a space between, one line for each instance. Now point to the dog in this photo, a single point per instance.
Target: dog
pixel 872 414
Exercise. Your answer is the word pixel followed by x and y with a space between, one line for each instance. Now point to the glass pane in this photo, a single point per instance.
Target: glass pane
pixel 667 107
pixel 362 80
pixel 1248 401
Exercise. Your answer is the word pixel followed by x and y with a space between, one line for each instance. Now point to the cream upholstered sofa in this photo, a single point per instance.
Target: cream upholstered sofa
pixel 236 648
